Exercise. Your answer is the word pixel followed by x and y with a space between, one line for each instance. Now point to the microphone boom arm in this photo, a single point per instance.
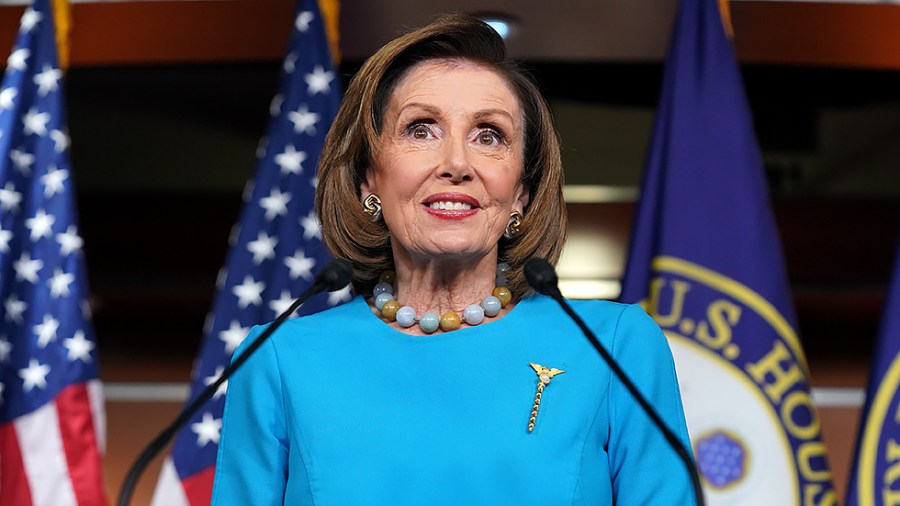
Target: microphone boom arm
pixel 332 277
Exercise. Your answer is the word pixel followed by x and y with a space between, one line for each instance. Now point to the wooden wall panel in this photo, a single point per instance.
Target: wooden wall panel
pixel 826 34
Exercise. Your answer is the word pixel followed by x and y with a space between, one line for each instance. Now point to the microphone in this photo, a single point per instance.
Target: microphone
pixel 334 276
pixel 541 276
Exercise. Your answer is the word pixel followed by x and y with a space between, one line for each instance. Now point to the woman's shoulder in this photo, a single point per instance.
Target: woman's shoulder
pixel 347 315
pixel 591 310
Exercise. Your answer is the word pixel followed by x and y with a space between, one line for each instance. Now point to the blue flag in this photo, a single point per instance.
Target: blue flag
pixel 277 246
pixel 51 403
pixel 706 262
pixel 875 480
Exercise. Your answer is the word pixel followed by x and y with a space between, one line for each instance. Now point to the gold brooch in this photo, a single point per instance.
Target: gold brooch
pixel 544 376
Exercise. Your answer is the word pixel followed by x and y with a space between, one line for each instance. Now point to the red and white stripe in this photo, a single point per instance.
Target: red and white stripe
pixel 52 456
pixel 193 491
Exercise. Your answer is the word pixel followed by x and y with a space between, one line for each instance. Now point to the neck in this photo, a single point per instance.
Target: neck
pixel 445 285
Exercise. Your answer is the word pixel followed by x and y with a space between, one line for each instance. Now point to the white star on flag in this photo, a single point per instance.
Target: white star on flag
pixel 221 277
pixel 22 160
pixel 207 430
pixel 35 375
pixel 47 80
pixel 300 265
pixel 53 180
pixel 79 347
pixel 303 120
pixel 60 140
pixel 275 204
pixel 46 331
pixel 263 248
pixel 14 308
pixel 27 268
pixel 275 105
pixel 5 236
pixel 35 122
pixel 290 160
pixel 6 98
pixel 249 292
pixel 311 227
pixel 30 19
pixel 338 296
pixel 9 197
pixel 5 349
pixel 41 225
pixel 69 242
pixel 282 304
pixel 318 81
pixel 260 277
pixel 303 21
pixel 233 336
pixel 290 62
pixel 17 59
pixel 59 283
pixel 209 380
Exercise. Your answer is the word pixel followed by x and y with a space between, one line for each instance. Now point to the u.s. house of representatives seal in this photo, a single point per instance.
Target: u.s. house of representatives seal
pixel 754 430
pixel 878 462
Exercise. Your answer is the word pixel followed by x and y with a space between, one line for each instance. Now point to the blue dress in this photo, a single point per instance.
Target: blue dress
pixel 339 409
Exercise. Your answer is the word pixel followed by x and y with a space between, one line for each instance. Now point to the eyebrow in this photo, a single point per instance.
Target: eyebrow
pixel 419 105
pixel 480 115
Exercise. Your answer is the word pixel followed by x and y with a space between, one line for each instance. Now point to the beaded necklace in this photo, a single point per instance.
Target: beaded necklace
pixel 430 321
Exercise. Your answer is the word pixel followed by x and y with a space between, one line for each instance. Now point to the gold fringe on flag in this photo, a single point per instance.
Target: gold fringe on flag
pixel 62 19
pixel 330 10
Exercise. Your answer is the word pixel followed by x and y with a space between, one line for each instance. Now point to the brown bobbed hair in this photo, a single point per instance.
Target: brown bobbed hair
pixel 354 138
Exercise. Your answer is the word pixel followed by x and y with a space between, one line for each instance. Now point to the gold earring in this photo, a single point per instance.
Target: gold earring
pixel 372 207
pixel 512 226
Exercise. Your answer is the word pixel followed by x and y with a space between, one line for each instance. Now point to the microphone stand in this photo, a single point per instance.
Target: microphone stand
pixel 542 277
pixel 334 276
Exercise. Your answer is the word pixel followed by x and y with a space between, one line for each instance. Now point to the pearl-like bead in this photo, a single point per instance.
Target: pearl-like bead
pixel 450 321
pixel 503 293
pixel 406 316
pixel 382 298
pixel 381 288
pixel 491 306
pixel 388 277
pixel 389 309
pixel 473 314
pixel 429 322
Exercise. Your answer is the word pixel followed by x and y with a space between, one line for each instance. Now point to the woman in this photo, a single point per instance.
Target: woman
pixel 450 382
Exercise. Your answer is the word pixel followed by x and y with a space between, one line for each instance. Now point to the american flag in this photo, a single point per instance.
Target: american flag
pixel 51 403
pixel 276 247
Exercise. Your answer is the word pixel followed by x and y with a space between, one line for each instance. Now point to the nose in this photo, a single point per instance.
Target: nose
pixel 457 166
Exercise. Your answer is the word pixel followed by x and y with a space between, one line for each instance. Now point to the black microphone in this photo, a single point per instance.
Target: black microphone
pixel 334 276
pixel 541 276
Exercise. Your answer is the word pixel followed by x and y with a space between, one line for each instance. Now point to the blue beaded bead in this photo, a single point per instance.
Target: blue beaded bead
pixel 501 280
pixel 406 316
pixel 473 314
pixel 382 298
pixel 502 268
pixel 491 306
pixel 381 288
pixel 429 322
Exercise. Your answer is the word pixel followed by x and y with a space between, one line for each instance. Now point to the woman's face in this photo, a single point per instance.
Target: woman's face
pixel 449 163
